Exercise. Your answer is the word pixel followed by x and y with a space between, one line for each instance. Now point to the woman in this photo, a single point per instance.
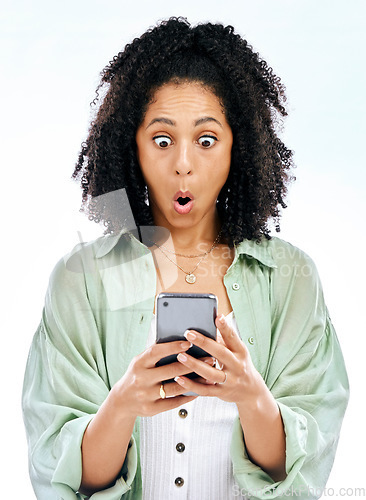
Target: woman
pixel 187 129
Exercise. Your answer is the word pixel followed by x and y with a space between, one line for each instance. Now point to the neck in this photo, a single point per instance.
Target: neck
pixel 191 238
pixel 186 240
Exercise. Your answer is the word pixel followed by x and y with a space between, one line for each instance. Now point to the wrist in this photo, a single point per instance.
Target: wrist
pixel 257 399
pixel 118 406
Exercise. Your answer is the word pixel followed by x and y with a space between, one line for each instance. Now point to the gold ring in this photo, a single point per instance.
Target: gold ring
pixel 162 392
pixel 223 382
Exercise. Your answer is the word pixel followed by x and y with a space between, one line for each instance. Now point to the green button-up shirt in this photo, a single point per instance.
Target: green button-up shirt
pixel 96 318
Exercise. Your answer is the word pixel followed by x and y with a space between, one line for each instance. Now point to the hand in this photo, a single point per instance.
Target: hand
pixel 138 391
pixel 237 382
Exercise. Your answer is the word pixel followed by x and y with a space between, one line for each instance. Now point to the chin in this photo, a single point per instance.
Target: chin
pixel 177 221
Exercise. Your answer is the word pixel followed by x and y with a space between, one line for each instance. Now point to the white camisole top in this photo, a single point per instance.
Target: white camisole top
pixel 185 452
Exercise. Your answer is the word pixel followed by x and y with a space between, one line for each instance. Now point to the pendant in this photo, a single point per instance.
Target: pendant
pixel 190 278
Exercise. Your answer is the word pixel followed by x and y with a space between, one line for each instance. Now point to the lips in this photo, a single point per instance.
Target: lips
pixel 183 202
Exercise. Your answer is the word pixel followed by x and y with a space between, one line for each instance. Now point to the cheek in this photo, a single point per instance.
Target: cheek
pixel 222 170
pixel 144 163
pixel 226 164
pixel 214 181
pixel 150 180
pixel 154 179
pixel 142 152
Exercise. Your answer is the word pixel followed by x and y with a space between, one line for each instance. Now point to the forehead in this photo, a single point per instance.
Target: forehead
pixel 190 97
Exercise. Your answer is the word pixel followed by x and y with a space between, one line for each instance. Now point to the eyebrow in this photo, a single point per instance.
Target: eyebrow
pixel 206 119
pixel 200 121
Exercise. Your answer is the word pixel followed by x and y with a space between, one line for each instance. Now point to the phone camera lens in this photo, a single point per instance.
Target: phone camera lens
pixel 165 304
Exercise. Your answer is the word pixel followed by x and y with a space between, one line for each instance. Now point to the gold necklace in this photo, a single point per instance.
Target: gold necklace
pixel 190 277
pixel 182 254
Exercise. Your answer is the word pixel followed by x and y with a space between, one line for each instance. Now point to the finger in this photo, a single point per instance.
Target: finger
pixel 197 387
pixel 210 360
pixel 202 369
pixel 172 402
pixel 171 370
pixel 156 352
pixel 202 380
pixel 229 335
pixel 167 372
pixel 217 350
pixel 171 389
pixel 219 338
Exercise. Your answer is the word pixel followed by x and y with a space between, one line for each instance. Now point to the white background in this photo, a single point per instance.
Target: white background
pixel 51 56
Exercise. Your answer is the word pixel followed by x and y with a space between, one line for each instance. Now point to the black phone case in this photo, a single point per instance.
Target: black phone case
pixel 178 312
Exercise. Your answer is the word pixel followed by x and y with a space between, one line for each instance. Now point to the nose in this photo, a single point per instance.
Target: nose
pixel 183 159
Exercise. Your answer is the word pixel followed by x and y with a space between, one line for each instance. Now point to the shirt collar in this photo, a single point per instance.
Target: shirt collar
pixel 106 243
pixel 259 251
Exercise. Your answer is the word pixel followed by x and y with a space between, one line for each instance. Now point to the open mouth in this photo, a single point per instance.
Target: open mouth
pixel 183 201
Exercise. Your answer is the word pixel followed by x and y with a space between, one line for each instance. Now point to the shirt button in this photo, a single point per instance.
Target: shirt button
pixel 180 447
pixel 179 481
pixel 236 286
pixel 183 413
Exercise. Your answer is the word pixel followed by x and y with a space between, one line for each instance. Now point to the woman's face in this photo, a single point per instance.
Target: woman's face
pixel 184 151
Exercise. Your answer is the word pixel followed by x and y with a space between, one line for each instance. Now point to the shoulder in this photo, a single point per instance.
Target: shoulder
pixel 288 256
pixel 293 266
pixel 278 255
pixel 289 271
pixel 84 265
pixel 80 260
pixel 295 280
pixel 86 257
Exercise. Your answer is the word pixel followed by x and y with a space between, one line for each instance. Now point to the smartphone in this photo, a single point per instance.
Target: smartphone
pixel 178 312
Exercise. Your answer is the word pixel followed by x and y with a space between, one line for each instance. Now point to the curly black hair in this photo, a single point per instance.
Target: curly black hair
pixel 253 99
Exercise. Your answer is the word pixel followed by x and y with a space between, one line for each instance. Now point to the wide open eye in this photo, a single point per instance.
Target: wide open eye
pixel 162 141
pixel 207 141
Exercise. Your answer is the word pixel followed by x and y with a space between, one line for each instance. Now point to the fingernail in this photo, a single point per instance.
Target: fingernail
pixel 179 380
pixel 186 345
pixel 182 357
pixel 209 361
pixel 189 335
pixel 222 318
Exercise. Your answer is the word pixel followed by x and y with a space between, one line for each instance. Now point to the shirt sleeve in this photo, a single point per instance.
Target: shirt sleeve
pixel 65 383
pixel 306 375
